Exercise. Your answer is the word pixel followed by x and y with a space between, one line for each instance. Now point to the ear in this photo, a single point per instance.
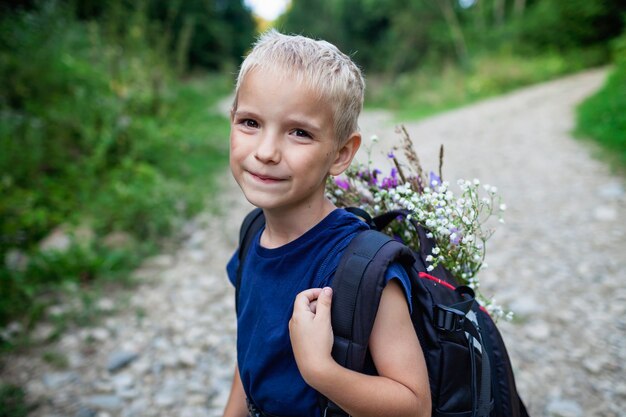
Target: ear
pixel 345 154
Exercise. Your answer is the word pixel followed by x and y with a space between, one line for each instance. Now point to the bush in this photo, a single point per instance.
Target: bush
pixel 13 401
pixel 431 90
pixel 94 128
pixel 602 116
pixel 571 24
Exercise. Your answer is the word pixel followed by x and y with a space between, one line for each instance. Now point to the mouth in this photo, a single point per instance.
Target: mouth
pixel 266 179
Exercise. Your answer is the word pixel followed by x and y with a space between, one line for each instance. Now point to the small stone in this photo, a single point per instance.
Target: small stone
pixel 99 334
pixel 169 360
pixel 106 304
pixel 193 411
pixel 86 412
pixel 104 402
pixel 43 332
pixel 58 310
pixel 525 306
pixel 57 240
pixel 103 386
pixel 141 367
pixel 120 359
pixel 159 262
pixel 593 364
pixel 539 330
pixel 14 328
pixel 563 408
pixel 137 408
pixel 605 214
pixel 16 260
pixel 164 399
pixel 123 381
pixel 56 380
pixel 187 357
pixel 36 388
pixel 612 191
pixel 197 399
pixel 117 240
pixel 128 393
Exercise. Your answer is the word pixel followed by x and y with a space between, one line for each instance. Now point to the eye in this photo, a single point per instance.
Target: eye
pixel 249 123
pixel 301 133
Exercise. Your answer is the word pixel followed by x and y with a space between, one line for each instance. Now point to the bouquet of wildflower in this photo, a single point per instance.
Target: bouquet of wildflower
pixel 456 223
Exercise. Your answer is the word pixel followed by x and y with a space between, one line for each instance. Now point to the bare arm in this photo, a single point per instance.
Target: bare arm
pixel 236 405
pixel 401 389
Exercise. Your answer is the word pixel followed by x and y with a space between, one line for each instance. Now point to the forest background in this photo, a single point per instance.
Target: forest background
pixel 110 137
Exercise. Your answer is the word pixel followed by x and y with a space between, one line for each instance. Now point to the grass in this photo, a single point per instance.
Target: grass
pixel 178 178
pixel 429 91
pixel 13 401
pixel 602 118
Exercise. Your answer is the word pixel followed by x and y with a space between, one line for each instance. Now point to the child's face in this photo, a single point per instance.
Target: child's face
pixel 282 142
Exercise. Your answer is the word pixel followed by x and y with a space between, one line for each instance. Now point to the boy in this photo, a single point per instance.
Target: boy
pixel 294 123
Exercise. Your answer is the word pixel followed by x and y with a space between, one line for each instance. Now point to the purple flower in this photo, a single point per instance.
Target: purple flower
pixel 374 177
pixel 342 183
pixel 389 182
pixel 433 177
pixel 455 236
pixel 390 155
pixel 394 173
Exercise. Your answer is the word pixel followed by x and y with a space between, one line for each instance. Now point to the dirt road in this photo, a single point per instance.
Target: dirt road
pixel 559 262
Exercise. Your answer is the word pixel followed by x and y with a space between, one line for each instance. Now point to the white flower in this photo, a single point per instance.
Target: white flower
pixel 430 268
pixel 374 139
pixel 436 250
pixel 502 207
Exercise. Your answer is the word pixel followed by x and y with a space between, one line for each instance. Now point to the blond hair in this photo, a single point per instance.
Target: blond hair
pixel 320 65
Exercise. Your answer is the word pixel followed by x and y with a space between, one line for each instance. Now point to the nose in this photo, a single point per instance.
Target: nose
pixel 268 148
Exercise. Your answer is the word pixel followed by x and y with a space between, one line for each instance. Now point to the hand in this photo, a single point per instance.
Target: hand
pixel 311 332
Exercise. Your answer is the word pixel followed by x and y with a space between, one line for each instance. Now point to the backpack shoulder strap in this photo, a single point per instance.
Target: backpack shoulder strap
pixel 357 288
pixel 252 223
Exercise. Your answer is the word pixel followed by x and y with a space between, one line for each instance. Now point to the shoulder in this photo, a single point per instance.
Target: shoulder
pixel 396 272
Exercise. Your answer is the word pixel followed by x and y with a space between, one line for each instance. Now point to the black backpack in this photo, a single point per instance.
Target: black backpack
pixel 453 330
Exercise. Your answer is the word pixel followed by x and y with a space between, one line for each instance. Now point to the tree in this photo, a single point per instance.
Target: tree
pixel 208 34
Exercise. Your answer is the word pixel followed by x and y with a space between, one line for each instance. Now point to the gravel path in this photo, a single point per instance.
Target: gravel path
pixel 559 262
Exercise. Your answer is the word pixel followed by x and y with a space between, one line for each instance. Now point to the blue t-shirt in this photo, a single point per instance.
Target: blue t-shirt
pixel 270 282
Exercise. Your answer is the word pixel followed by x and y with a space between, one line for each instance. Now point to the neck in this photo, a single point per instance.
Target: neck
pixel 284 226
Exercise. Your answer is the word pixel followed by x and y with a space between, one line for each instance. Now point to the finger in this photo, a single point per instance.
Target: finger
pixel 305 298
pixel 324 300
